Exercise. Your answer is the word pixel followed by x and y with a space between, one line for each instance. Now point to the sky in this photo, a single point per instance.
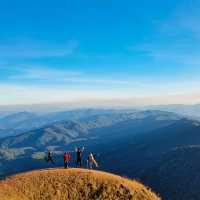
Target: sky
pixel 99 52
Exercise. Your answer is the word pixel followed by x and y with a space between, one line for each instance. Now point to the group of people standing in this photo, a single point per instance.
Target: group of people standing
pixel 79 160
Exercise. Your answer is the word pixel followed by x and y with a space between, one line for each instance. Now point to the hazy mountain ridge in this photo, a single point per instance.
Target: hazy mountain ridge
pixel 16 123
pixel 181 109
pixel 11 124
pixel 67 131
pixel 16 118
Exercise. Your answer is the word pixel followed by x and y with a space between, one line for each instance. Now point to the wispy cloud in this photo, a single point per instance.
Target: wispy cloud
pixel 24 94
pixel 177 37
pixel 41 74
pixel 36 49
pixel 184 21
pixel 45 74
pixel 182 52
pixel 44 85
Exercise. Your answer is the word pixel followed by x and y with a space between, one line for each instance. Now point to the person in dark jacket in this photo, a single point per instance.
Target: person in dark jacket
pixel 66 158
pixel 50 158
pixel 79 152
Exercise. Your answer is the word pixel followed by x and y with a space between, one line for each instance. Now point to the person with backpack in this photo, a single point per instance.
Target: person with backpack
pixel 50 157
pixel 79 152
pixel 91 161
pixel 66 158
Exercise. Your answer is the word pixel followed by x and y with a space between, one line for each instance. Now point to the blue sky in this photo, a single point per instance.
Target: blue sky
pixel 97 50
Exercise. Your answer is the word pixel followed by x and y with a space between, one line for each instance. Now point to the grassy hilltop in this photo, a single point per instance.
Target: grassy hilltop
pixel 72 184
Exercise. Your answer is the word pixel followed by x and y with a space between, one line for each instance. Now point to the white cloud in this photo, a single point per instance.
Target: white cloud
pixel 17 94
pixel 22 95
pixel 155 92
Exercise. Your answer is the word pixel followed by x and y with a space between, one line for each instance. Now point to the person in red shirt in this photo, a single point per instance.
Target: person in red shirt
pixel 66 158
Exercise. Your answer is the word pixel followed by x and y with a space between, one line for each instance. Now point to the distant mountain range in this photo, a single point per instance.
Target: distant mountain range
pixel 66 132
pixel 12 123
pixel 145 145
pixel 15 123
pixel 187 110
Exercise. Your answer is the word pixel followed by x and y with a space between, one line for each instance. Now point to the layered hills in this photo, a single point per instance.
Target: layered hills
pixel 157 147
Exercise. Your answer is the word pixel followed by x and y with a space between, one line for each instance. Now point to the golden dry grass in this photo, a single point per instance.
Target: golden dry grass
pixel 72 184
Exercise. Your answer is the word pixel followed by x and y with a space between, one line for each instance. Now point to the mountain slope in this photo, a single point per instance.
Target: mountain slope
pixel 145 149
pixel 178 172
pixel 57 184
